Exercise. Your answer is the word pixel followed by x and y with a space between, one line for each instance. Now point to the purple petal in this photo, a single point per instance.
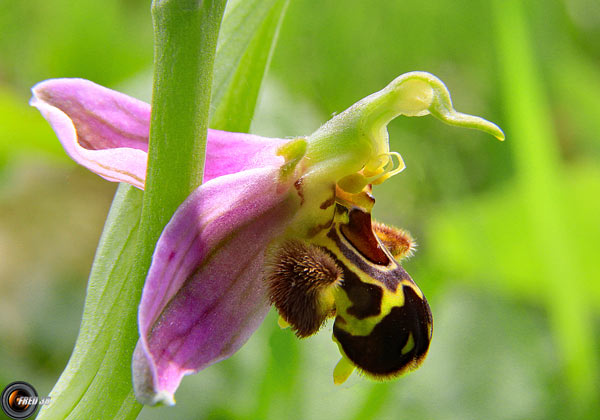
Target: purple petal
pixel 204 295
pixel 228 153
pixel 107 132
pixel 101 129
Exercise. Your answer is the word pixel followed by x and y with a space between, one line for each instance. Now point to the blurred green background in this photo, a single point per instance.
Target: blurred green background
pixel 508 233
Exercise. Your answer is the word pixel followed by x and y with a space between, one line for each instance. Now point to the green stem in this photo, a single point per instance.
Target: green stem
pixel 185 42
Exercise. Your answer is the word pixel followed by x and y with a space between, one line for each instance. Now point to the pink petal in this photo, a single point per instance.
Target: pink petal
pixel 228 153
pixel 107 132
pixel 101 129
pixel 204 295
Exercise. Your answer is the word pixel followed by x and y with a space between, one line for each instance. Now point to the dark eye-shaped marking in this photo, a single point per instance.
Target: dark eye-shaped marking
pixel 397 344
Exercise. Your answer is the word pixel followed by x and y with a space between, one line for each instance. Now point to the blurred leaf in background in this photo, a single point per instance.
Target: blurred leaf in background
pixel 508 233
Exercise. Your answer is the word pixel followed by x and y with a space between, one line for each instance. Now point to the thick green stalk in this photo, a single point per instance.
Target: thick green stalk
pixel 185 42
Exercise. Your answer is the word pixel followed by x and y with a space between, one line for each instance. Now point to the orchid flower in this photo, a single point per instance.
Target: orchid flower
pixel 285 222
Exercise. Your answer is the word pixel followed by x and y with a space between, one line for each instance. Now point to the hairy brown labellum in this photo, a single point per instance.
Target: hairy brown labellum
pixel 301 278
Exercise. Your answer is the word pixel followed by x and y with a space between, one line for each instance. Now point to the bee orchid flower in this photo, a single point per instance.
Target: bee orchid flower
pixel 282 222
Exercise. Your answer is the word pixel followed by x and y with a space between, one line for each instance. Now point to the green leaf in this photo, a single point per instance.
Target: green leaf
pixel 87 384
pixel 97 381
pixel 244 50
